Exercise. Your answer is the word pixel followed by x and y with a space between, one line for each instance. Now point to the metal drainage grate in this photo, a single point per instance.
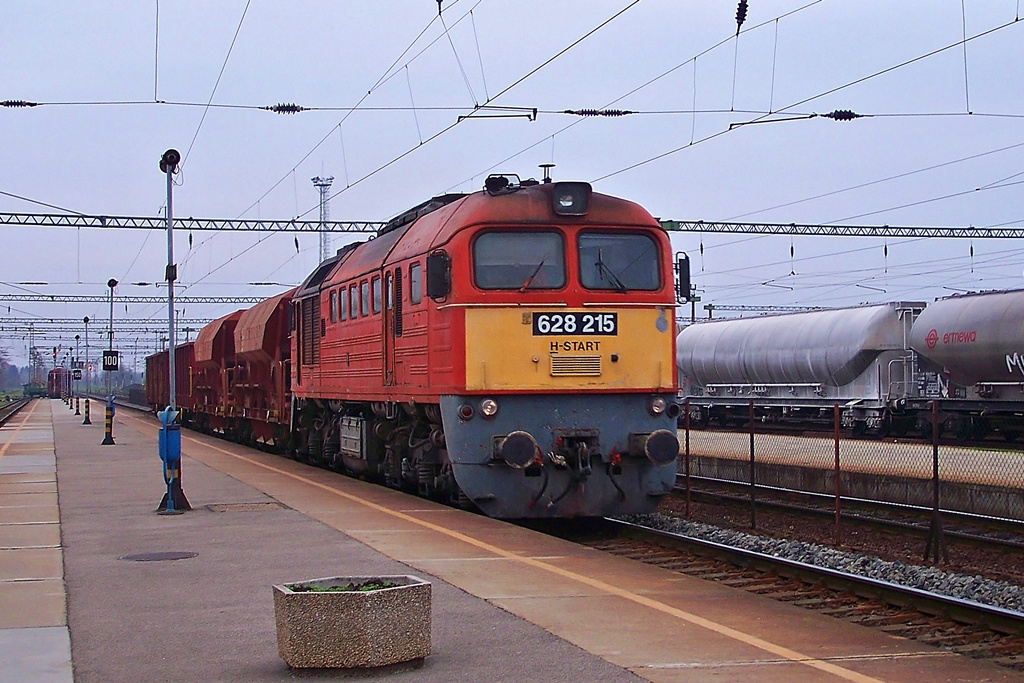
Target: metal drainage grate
pixel 243 507
pixel 159 557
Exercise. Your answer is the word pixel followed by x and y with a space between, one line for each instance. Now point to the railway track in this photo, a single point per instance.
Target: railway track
pixel 963 626
pixel 975 529
pixel 11 409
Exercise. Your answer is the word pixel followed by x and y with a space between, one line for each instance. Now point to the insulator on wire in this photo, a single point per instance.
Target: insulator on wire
pixel 18 103
pixel 598 112
pixel 741 15
pixel 842 115
pixel 288 108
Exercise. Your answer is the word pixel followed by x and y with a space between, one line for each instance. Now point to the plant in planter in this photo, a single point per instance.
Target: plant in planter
pixel 353 621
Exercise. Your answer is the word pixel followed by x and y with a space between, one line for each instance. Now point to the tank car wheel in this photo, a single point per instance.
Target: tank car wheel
pixel 963 428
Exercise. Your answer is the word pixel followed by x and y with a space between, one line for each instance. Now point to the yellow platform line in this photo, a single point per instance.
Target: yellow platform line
pixel 10 440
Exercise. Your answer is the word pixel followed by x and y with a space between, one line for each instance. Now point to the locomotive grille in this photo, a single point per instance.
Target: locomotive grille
pixel 575 366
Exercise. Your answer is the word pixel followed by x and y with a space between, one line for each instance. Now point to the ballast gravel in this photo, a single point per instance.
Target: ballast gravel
pixel 985 591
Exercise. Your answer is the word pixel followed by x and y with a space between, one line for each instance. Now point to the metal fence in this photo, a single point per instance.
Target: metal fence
pixel 985 479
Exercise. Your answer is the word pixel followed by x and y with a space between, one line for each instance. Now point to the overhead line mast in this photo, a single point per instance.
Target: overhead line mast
pixel 97 298
pixel 327 226
pixel 324 185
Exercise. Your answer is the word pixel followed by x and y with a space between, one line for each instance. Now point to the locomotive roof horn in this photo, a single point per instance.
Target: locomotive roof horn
pixel 502 183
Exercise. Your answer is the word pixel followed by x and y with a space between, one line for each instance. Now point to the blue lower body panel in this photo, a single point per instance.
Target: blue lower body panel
pixel 589 458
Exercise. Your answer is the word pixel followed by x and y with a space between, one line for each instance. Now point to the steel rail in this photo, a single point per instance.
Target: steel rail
pixel 11 409
pixel 957 609
pixel 743 496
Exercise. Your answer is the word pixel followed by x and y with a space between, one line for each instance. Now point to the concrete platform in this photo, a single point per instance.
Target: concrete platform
pixel 509 604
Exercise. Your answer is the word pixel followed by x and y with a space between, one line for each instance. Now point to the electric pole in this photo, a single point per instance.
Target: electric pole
pixel 324 185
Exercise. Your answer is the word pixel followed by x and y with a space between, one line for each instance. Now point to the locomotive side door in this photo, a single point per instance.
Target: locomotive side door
pixel 392 324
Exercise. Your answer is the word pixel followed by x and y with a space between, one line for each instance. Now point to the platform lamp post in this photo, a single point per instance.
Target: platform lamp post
pixel 174 501
pixel 108 418
pixel 88 364
pixel 111 283
pixel 88 371
pixel 75 368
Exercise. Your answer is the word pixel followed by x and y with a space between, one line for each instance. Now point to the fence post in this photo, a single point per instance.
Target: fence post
pixel 935 537
pixel 839 515
pixel 686 452
pixel 753 479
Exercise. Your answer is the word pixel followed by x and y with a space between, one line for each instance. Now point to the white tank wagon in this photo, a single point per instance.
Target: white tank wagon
pixel 974 344
pixel 797 366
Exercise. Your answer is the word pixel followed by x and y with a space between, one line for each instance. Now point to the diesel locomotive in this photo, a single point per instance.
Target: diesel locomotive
pixel 883 364
pixel 511 350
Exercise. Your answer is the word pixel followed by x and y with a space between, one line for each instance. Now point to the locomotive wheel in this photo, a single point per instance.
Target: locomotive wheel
pixel 314 447
pixel 465 502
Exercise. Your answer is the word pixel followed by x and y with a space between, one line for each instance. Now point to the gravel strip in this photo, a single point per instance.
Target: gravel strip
pixel 986 591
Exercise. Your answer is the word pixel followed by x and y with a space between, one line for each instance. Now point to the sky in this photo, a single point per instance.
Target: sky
pixel 117 82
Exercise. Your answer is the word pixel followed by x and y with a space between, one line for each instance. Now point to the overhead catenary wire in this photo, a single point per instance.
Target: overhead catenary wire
pixel 460 120
pixel 877 181
pixel 380 81
pixel 664 74
pixel 216 85
pixel 811 98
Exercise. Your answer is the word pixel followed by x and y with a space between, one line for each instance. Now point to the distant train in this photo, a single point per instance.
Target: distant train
pixel 58 383
pixel 510 349
pixel 882 364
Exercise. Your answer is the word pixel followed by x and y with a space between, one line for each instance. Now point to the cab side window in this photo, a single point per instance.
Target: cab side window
pixel 415 283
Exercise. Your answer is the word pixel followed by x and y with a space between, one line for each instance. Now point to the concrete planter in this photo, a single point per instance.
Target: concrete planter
pixel 353 628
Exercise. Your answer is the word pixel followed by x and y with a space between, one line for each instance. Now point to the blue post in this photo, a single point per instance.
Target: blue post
pixel 174 501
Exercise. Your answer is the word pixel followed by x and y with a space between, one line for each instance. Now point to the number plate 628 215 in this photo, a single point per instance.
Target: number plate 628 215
pixel 575 323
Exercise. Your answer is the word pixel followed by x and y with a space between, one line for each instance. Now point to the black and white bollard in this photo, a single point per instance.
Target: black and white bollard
pixel 108 438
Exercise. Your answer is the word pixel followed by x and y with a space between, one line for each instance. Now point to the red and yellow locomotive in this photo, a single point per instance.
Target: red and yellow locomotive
pixel 511 349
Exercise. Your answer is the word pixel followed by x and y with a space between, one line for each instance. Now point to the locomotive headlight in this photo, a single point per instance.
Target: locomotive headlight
pixel 571 199
pixel 657 405
pixel 518 449
pixel 465 412
pixel 488 407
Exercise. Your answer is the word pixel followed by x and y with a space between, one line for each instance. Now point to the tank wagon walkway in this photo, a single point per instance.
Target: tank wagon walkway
pixel 509 604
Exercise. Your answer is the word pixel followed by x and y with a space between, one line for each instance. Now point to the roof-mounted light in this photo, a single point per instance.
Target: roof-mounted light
pixel 571 199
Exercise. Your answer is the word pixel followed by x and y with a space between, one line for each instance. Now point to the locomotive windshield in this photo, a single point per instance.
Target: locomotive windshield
pixel 519 260
pixel 618 261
